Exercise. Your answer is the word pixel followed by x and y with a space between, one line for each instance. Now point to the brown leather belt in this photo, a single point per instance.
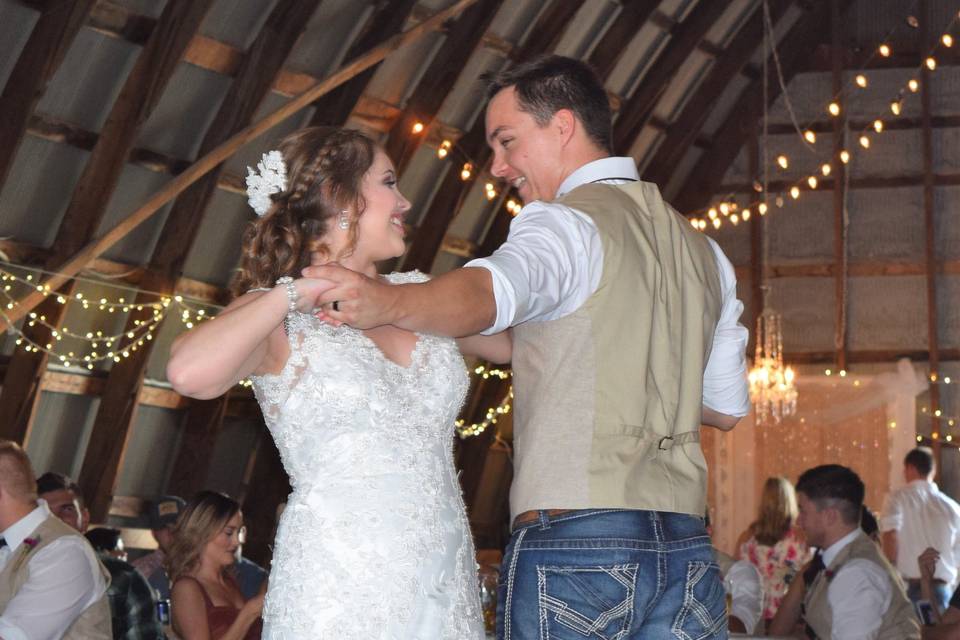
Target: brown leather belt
pixel 529 517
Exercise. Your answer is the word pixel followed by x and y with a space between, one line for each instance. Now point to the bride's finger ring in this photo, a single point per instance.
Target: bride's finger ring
pixel 336 305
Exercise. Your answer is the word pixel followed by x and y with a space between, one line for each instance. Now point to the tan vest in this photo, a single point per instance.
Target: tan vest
pixel 609 397
pixel 94 623
pixel 899 622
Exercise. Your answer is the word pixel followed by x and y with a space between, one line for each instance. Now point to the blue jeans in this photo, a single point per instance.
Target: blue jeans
pixel 941 592
pixel 611 574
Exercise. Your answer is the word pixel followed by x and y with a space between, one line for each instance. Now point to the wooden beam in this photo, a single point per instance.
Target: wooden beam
pixel 115 417
pixel 868 356
pixel 758 263
pixel 140 93
pixel 683 131
pixel 335 107
pixel 28 255
pixel 461 41
pixel 179 184
pixel 930 225
pixel 53 129
pixel 639 107
pixel 201 427
pixel 896 124
pixel 708 173
pixel 452 192
pixel 271 488
pixel 839 196
pixel 633 15
pixel 52 36
pixel 868 182
pixel 860 269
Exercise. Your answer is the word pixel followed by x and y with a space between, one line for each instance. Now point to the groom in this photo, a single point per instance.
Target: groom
pixel 625 340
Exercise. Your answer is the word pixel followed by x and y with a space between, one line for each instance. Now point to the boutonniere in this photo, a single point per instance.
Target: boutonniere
pixel 828 574
pixel 31 542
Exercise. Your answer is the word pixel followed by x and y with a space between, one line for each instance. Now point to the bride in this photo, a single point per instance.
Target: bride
pixel 374 542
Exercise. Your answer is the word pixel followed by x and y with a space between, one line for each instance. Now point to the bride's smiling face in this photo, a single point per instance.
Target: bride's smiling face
pixel 379 229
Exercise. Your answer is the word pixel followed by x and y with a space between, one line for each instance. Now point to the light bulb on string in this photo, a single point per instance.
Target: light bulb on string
pixel 845 156
pixel 947 40
pixel 812 181
pixel 725 208
pixel 794 192
pixel 417 127
pixel 896 106
pixel 745 214
pixel 467 171
pixel 716 223
pixel 826 169
pixel 885 50
pixel 861 81
pixel 878 125
pixel 810 136
pixel 783 161
pixel 734 219
pixel 834 109
pixel 762 208
pixel 444 149
pixel 865 142
pixel 931 63
pixel 913 85
pixel 712 213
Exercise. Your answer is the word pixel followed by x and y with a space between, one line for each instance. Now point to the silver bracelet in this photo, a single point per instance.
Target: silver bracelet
pixel 292 296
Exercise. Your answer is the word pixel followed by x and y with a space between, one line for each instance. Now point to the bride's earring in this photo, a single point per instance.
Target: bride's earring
pixel 343 221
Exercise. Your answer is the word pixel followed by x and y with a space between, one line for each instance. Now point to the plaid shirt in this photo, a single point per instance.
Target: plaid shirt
pixel 132 607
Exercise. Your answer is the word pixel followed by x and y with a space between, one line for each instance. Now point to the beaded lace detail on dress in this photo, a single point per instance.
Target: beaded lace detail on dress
pixel 374 541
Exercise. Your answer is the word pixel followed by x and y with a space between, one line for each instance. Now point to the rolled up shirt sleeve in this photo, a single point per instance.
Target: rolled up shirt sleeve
pixel 547 268
pixel 64 580
pixel 892 514
pixel 725 377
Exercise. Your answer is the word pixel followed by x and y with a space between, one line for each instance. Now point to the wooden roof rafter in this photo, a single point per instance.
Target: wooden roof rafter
pixel 117 410
pixel 140 93
pixel 707 174
pixel 685 128
pixel 686 38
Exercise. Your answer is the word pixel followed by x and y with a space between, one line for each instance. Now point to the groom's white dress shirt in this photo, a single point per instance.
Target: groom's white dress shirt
pixel 552 262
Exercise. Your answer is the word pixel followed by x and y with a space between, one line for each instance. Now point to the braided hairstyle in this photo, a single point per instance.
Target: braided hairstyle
pixel 325 171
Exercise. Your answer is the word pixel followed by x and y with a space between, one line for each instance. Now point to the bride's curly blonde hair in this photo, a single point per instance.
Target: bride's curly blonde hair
pixel 325 170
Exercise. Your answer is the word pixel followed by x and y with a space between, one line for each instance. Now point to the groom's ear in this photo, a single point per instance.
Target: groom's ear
pixel 564 123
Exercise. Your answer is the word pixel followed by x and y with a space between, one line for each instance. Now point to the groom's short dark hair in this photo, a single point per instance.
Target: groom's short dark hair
pixel 549 83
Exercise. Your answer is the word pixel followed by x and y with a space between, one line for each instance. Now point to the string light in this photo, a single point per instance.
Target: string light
pixel 885 50
pixel 826 169
pixel 745 215
pixel 878 125
pixel 864 142
pixel 947 40
pixel 467 171
pixel 513 206
pixel 896 107
pixel 783 162
pixel 762 208
pixel 834 109
pixel 794 192
pixel 417 127
pixel 490 190
pixel 734 219
pixel 810 136
pixel 914 85
pixel 845 156
pixel 444 149
pixel 812 181
pixel 712 213
pixel 931 63
pixel 862 81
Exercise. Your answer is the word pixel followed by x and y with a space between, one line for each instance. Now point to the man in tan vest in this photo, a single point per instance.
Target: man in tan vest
pixel 625 341
pixel 849 590
pixel 51 584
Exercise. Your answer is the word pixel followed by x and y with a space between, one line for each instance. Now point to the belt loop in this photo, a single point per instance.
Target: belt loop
pixel 544 519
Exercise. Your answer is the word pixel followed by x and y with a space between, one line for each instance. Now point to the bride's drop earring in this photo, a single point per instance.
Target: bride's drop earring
pixel 343 221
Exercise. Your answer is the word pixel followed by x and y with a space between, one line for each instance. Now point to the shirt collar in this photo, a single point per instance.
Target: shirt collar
pixel 831 552
pixel 22 528
pixel 612 168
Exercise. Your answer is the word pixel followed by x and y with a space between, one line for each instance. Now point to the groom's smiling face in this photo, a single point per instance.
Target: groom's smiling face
pixel 525 154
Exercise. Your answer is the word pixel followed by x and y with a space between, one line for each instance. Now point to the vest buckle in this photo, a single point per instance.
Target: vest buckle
pixel 663 441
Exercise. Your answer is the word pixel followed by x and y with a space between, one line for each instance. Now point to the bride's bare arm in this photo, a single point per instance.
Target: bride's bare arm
pixel 245 338
pixel 497 348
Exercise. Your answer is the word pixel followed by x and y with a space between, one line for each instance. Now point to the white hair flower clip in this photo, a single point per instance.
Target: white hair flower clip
pixel 270 178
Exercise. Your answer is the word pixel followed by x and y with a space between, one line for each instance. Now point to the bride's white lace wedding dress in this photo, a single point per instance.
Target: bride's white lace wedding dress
pixel 374 541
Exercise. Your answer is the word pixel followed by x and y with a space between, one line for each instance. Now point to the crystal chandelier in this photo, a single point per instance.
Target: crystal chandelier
pixel 772 388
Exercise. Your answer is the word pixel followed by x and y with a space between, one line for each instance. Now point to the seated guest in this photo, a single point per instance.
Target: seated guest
pixel 133 611
pixel 742 582
pixel 945 625
pixel 51 584
pixel 131 598
pixel 162 514
pixel 206 600
pixel 849 590
pixel 773 543
pixel 251 576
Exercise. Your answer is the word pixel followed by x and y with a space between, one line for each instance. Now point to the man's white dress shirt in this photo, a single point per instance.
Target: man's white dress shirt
pixel 923 516
pixel 859 594
pixel 64 580
pixel 552 262
pixel 742 582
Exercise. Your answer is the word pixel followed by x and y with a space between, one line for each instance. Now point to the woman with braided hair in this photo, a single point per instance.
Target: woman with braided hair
pixel 374 541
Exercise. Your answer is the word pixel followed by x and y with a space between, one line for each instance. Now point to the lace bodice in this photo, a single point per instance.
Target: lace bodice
pixel 374 542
